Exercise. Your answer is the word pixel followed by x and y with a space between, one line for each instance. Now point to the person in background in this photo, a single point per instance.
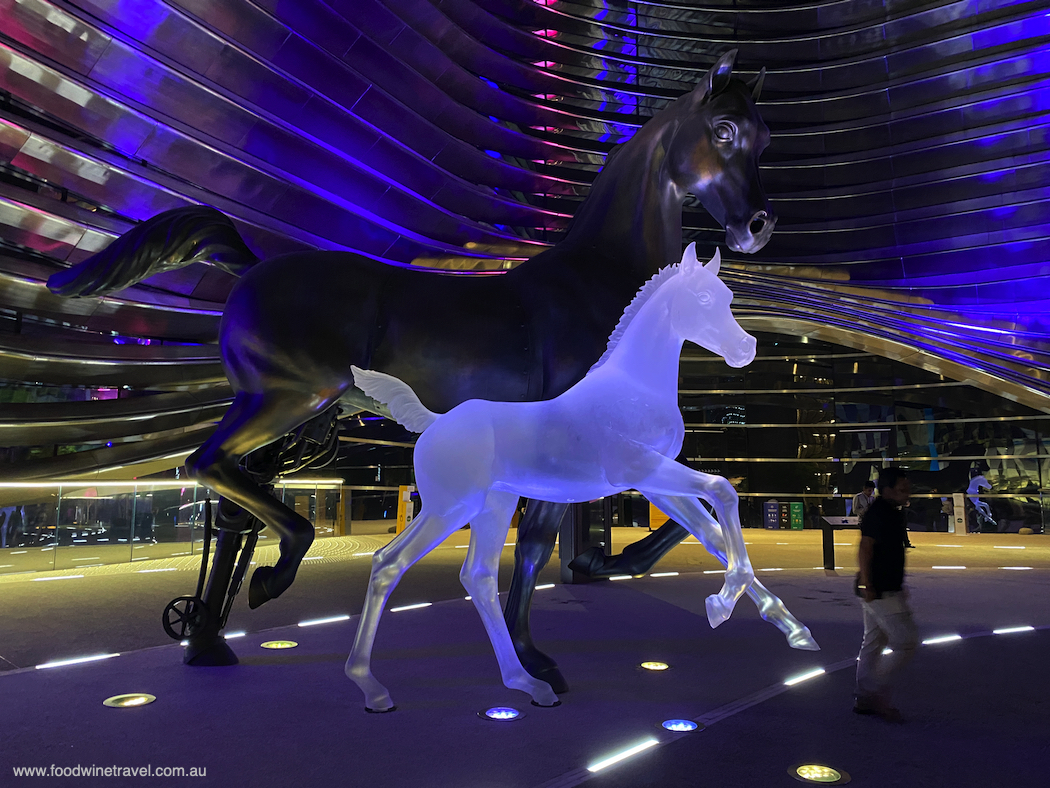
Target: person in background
pixel 888 621
pixel 863 499
pixel 977 481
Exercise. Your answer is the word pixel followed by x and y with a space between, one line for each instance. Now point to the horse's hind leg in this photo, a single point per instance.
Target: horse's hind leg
pixel 388 565
pixel 479 576
pixel 537 534
pixel 770 607
pixel 253 421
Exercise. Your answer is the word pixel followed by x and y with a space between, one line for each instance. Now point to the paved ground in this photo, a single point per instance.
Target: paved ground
pixel 977 707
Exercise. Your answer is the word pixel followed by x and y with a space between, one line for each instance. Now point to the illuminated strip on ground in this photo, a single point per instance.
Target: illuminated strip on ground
pixel 620 577
pixel 78 660
pixel 947 567
pixel 1017 568
pixel 63 577
pixel 545 586
pixel 410 607
pixel 329 620
pixel 942 639
pixel 805 677
pixel 1011 630
pixel 620 756
pixel 147 571
pixel 664 574
pixel 232 635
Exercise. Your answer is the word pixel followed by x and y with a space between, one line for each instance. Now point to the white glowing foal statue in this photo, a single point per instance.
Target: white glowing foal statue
pixel 619 428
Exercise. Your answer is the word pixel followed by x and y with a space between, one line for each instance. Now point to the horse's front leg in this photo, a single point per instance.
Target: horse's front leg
pixel 770 607
pixel 487 532
pixel 665 477
pixel 537 535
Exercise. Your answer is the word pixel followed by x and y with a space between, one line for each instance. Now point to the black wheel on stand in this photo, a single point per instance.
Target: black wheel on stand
pixel 183 616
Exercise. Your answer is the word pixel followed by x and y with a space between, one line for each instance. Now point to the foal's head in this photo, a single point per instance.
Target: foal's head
pixel 700 311
pixel 715 153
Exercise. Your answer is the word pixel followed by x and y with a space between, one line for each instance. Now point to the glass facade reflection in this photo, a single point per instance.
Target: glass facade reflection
pixel 75 525
pixel 809 422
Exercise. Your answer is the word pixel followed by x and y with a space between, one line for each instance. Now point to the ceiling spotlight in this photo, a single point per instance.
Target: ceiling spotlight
pixel 278 644
pixel 129 700
pixel 501 714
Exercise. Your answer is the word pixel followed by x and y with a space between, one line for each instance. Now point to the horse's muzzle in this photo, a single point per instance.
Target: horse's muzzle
pixel 755 235
pixel 743 353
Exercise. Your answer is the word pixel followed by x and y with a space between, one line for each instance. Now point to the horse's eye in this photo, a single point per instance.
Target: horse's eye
pixel 725 131
pixel 703 298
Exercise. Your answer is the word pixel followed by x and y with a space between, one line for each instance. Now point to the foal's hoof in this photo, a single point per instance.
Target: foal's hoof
pixel 718 611
pixel 803 640
pixel 381 711
pixel 258 591
pixel 553 677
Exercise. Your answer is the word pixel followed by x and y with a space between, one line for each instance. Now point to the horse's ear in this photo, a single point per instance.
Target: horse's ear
pixel 717 78
pixel 689 260
pixel 755 85
pixel 715 263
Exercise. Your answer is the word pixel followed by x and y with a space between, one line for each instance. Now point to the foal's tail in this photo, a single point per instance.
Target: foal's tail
pixel 397 395
pixel 168 241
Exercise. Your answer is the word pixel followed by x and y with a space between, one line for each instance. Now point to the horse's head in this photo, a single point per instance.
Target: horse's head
pixel 715 153
pixel 700 311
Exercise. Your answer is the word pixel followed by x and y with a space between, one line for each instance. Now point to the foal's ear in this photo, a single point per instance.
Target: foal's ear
pixel 717 78
pixel 755 85
pixel 715 263
pixel 689 260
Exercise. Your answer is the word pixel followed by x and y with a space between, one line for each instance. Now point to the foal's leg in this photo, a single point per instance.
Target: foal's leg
pixel 479 577
pixel 388 565
pixel 537 534
pixel 666 477
pixel 769 606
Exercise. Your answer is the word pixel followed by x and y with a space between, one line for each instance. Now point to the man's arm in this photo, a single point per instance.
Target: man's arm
pixel 864 556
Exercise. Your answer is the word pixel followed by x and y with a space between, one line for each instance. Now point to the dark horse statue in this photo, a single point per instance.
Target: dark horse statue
pixel 294 324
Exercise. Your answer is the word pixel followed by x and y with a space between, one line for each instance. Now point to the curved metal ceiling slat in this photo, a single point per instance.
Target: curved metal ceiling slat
pixel 909 159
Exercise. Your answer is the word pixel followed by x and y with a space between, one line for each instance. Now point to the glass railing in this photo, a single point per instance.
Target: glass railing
pixel 70 525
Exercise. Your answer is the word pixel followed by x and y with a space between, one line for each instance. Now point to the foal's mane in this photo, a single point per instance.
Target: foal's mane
pixel 641 297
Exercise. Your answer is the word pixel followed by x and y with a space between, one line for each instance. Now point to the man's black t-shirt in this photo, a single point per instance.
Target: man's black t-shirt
pixel 885 523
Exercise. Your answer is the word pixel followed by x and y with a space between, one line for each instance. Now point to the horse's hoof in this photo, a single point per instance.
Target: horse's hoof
pixel 590 563
pixel 717 611
pixel 258 593
pixel 380 711
pixel 803 640
pixel 553 677
pixel 547 705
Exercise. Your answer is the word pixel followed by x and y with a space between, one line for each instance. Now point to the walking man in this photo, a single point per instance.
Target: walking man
pixel 880 585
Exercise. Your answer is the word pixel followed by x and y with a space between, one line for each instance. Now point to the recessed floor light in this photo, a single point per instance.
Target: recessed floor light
pixel 805 677
pixel 681 726
pixel 623 755
pixel 501 714
pixel 1011 630
pixel 279 644
pixel 410 607
pixel 545 586
pixel 329 620
pixel 664 574
pixel 129 700
pixel 942 639
pixel 655 666
pixel 819 774
pixel 76 661
pixel 620 577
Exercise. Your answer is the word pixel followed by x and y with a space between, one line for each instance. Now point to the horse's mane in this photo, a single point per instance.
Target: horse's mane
pixel 641 297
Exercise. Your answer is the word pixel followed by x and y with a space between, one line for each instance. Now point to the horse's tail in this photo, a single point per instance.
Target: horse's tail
pixel 397 395
pixel 168 241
